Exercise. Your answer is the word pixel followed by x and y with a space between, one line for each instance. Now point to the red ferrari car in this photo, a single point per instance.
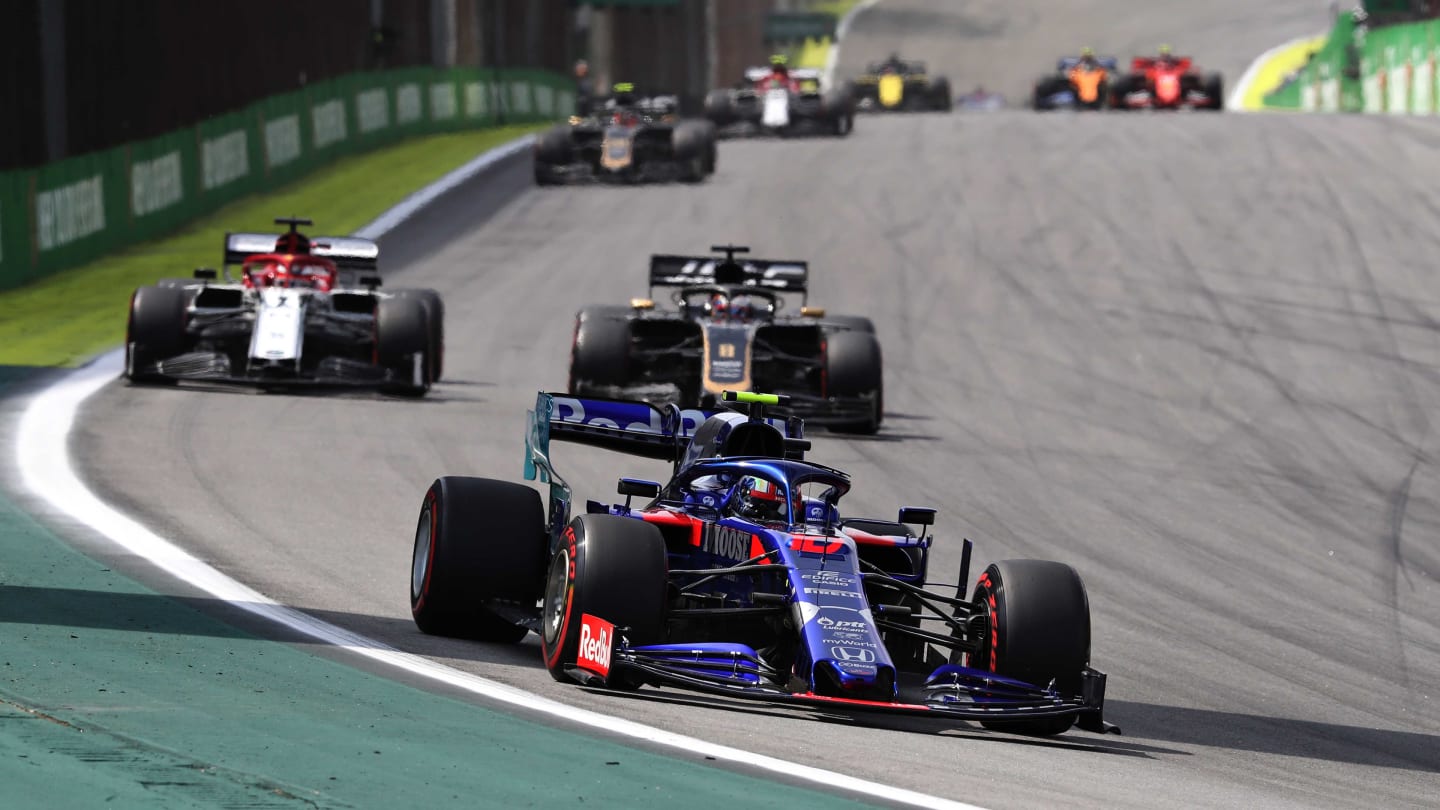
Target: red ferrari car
pixel 1167 83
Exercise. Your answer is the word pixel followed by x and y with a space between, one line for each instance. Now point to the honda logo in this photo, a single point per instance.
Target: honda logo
pixel 853 655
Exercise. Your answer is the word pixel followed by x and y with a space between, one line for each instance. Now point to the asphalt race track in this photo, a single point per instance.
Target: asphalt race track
pixel 1196 356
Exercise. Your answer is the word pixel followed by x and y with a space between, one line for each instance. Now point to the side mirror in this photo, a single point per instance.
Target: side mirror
pixel 918 515
pixel 631 487
pixel 205 273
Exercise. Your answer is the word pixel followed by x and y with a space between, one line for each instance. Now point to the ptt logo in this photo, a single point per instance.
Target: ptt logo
pixel 826 621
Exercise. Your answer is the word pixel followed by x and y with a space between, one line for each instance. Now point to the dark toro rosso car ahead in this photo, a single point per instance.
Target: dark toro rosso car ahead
pixel 301 312
pixel 742 577
pixel 729 330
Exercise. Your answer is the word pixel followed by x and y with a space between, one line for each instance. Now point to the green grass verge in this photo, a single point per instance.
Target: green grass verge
pixel 71 316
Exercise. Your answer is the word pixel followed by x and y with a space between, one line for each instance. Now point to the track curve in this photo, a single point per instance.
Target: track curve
pixel 1195 356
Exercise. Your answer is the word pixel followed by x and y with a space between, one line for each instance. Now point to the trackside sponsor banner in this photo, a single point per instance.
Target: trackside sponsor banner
pixel 596 638
pixel 156 184
pixel 2 233
pixel 371 111
pixel 282 140
pixel 71 212
pixel 224 159
pixel 328 122
pixel 520 97
pixel 544 100
pixel 407 103
pixel 476 103
pixel 442 101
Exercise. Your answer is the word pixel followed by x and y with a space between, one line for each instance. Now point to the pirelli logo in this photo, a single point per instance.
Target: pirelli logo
pixel 723 541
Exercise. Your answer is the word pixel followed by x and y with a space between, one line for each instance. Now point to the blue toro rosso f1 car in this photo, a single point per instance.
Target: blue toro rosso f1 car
pixel 741 577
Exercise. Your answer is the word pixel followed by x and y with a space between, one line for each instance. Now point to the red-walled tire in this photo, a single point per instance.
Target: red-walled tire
pixel 1038 618
pixel 612 568
pixel 477 541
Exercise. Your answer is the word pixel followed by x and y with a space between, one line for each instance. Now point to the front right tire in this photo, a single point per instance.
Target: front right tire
pixel 154 332
pixel 1038 630
pixel 612 568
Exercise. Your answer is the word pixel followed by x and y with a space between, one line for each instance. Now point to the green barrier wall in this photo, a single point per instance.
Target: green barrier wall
pixel 1389 70
pixel 78 209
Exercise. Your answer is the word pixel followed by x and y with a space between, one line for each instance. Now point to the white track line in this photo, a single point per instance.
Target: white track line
pixel 1236 102
pixel 410 205
pixel 43 457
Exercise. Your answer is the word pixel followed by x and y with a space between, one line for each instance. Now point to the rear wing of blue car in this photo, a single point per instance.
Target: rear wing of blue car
pixel 768 274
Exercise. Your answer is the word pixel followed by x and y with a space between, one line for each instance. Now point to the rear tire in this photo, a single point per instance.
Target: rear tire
pixel 402 330
pixel 941 97
pixel 1215 89
pixel 854 368
pixel 718 108
pixel 612 568
pixel 552 148
pixel 600 354
pixel 435 316
pixel 1038 631
pixel 855 323
pixel 477 540
pixel 155 332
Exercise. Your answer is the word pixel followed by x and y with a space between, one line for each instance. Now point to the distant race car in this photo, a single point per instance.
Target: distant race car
pixel 627 138
pixel 742 578
pixel 302 312
pixel 791 102
pixel 897 84
pixel 1076 84
pixel 980 100
pixel 728 330
pixel 1167 83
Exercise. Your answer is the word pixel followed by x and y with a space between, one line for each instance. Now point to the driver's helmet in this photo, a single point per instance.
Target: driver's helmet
pixel 1164 54
pixel 780 64
pixel 1087 56
pixel 623 95
pixel 270 274
pixel 742 308
pixel 761 500
pixel 719 306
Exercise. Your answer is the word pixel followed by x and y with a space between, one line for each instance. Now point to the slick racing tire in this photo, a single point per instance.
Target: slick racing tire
pixel 154 332
pixel 693 143
pixel 940 95
pixel 1215 90
pixel 402 330
pixel 853 368
pixel 612 568
pixel 600 352
pixel 552 149
pixel 855 323
pixel 718 108
pixel 478 541
pixel 1037 630
pixel 435 316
